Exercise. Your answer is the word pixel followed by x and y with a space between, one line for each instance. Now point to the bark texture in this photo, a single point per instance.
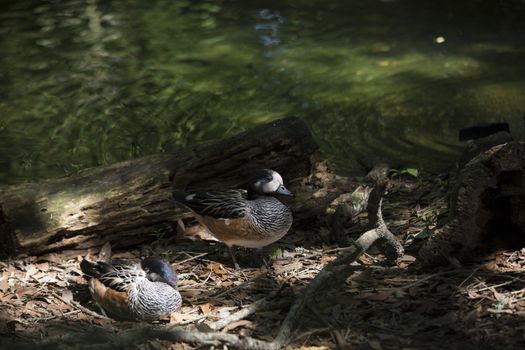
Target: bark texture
pixel 486 207
pixel 124 203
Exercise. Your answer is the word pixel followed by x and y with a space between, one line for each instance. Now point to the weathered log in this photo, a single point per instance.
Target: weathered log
pixel 486 208
pixel 125 202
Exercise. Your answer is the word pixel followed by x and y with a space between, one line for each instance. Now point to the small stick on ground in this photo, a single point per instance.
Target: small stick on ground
pixel 80 307
pixel 261 304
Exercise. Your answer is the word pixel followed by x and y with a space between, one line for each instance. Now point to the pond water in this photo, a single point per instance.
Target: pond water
pixel 87 83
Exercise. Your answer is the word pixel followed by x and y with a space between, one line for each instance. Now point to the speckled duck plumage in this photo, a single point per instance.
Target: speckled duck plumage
pixel 134 291
pixel 250 218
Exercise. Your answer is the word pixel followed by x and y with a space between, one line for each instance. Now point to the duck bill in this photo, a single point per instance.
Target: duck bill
pixel 284 191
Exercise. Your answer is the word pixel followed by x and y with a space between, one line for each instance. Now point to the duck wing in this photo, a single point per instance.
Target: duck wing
pixel 229 204
pixel 118 274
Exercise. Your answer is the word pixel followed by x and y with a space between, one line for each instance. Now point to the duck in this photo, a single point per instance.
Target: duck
pixel 138 291
pixel 249 218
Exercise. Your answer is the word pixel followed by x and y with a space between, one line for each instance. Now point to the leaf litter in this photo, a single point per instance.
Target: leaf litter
pixel 376 307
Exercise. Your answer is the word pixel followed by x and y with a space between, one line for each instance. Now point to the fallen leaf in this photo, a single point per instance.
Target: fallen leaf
pixel 4 283
pixel 39 275
pixel 31 306
pixel 30 292
pixel 30 270
pixel 241 295
pixel 67 296
pixel 205 308
pixel 226 283
pixel 178 317
pixel 294 266
pixel 52 257
pixel 326 259
pixel 44 267
pixel 217 268
pixel 179 346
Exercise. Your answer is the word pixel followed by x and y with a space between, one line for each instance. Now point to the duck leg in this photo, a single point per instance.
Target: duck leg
pixel 237 267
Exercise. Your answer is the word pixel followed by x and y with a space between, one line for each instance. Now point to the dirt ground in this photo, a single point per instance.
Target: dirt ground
pixel 481 305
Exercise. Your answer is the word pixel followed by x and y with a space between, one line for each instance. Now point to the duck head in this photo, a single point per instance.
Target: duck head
pixel 158 270
pixel 268 182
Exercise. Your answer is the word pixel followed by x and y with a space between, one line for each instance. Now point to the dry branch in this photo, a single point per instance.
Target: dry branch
pixel 101 338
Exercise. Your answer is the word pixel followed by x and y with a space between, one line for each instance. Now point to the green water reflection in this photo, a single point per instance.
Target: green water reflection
pixel 86 83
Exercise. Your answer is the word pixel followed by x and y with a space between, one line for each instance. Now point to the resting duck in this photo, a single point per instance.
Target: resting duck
pixel 251 219
pixel 134 291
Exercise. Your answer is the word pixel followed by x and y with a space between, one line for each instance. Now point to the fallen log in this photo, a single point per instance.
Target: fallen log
pixel 485 210
pixel 125 202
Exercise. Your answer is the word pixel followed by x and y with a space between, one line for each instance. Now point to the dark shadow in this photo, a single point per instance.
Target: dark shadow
pixel 374 307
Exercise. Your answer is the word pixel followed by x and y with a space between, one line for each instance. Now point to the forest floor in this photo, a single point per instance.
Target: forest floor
pixel 481 305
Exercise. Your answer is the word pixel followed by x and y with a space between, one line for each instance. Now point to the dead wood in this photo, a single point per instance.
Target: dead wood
pixel 124 203
pixel 101 338
pixel 486 208
pixel 358 201
pixel 368 196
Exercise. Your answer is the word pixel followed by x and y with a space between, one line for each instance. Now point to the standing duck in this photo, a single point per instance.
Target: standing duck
pixel 251 218
pixel 134 291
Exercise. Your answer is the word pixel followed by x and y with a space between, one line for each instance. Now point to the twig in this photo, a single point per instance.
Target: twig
pixel 310 332
pixel 503 311
pixel 419 281
pixel 233 289
pixel 191 258
pixel 469 276
pixel 195 319
pixel 40 319
pixel 81 308
pixel 261 304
